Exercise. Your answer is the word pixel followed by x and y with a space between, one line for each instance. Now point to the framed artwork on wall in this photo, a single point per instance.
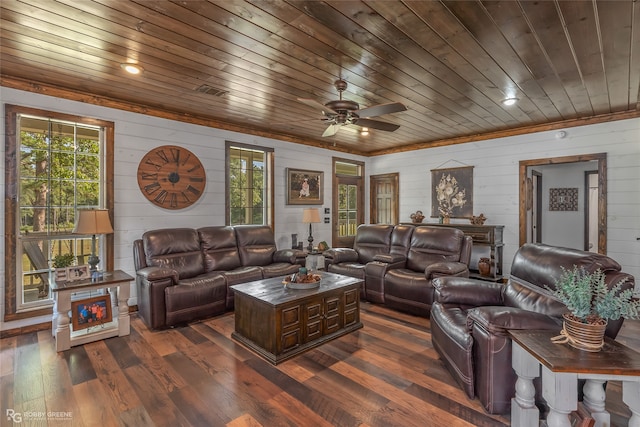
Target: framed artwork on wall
pixel 91 312
pixel 305 187
pixel 452 192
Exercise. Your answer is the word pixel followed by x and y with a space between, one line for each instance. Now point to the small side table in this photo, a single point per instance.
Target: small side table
pixel 117 282
pixel 562 366
pixel 315 261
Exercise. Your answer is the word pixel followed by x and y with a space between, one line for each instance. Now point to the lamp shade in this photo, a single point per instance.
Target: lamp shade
pixel 93 221
pixel 310 216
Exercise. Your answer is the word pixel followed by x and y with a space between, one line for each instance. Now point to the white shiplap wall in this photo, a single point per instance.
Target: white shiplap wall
pixel 135 135
pixel 495 177
pixel 495 180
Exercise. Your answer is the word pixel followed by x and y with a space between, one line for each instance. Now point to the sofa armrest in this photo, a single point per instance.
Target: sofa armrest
pixel 337 255
pixel 153 274
pixel 446 268
pixel 390 258
pixel 467 292
pixel 151 283
pixel 500 319
pixel 292 256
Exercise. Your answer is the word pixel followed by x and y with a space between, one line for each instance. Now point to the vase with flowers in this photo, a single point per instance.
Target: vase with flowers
pixel 591 303
pixel 449 196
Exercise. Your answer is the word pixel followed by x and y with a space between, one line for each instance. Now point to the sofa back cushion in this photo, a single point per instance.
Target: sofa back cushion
pixel 220 248
pixel 536 265
pixel 541 265
pixel 176 248
pixel 256 244
pixel 434 244
pixel 372 240
pixel 401 239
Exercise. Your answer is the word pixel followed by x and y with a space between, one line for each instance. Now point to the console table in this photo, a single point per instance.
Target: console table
pixel 562 366
pixel 483 236
pixel 117 282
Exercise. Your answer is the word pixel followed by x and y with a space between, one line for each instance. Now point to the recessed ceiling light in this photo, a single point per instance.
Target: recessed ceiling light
pixel 509 101
pixel 132 68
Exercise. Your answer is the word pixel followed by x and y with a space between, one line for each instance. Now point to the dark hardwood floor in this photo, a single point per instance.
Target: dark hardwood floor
pixel 386 374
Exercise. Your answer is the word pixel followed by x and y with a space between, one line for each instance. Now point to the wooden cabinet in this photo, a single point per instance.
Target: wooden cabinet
pixel 279 323
pixel 487 242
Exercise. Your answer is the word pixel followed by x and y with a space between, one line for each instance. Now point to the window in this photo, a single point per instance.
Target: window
pixel 348 199
pixel 60 165
pixel 249 184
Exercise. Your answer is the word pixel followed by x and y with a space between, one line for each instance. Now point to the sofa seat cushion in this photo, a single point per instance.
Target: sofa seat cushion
pixel 279 269
pixel 237 276
pixel 453 342
pixel 408 290
pixel 351 269
pixel 195 298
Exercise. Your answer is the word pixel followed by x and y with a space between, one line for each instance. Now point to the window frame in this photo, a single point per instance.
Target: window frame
pixel 269 174
pixel 11 200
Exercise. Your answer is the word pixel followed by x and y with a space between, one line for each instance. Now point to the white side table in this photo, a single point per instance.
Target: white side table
pixel 315 262
pixel 117 282
pixel 562 366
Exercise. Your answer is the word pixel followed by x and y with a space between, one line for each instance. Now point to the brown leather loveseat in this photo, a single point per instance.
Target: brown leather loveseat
pixel 471 318
pixel 398 263
pixel 184 274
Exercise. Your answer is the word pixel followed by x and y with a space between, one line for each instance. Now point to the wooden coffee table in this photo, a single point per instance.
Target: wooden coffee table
pixel 278 323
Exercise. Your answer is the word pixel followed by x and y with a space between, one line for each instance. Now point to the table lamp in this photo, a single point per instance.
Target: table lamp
pixel 310 216
pixel 93 221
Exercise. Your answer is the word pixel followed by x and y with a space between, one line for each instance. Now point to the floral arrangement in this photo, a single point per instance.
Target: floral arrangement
pixel 589 300
pixel 449 195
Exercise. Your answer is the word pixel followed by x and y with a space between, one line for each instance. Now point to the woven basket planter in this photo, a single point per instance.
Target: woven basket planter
pixel 584 336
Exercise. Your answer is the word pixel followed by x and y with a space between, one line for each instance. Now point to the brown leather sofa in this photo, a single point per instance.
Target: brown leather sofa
pixel 184 274
pixel 470 319
pixel 398 263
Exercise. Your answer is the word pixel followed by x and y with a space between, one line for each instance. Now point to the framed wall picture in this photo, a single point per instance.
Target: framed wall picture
pixel 91 312
pixel 78 272
pixel 452 192
pixel 305 187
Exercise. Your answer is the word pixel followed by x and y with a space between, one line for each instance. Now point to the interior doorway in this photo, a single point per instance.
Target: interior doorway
pixel 384 197
pixel 532 223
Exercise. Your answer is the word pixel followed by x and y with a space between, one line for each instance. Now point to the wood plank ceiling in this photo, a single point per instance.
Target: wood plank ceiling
pixel 450 62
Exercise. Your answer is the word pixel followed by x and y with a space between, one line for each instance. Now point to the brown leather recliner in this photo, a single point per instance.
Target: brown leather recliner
pixel 370 240
pixel 183 274
pixel 470 319
pixel 406 278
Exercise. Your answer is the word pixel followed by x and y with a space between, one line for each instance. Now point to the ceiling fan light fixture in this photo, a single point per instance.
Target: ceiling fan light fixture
pixel 509 101
pixel 132 68
pixel 364 131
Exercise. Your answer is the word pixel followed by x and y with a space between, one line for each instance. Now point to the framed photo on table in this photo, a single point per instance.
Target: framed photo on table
pixel 78 272
pixel 305 187
pixel 91 312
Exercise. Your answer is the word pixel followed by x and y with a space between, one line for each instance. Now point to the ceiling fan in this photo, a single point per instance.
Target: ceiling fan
pixel 344 112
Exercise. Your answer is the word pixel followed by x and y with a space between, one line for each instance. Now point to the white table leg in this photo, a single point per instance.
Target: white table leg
pixel 124 326
pixel 594 400
pixel 560 389
pixel 524 411
pixel 62 330
pixel 631 396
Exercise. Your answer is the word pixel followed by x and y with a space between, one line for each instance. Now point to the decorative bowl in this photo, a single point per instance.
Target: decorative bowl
pixel 311 281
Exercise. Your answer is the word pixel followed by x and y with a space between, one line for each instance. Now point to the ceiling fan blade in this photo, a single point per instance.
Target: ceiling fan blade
pixel 377 124
pixel 379 110
pixel 332 130
pixel 315 104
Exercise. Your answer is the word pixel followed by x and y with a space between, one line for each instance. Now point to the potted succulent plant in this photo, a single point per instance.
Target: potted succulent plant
pixel 591 304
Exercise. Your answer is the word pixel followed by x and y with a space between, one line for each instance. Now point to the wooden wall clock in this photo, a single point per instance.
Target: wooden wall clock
pixel 171 177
